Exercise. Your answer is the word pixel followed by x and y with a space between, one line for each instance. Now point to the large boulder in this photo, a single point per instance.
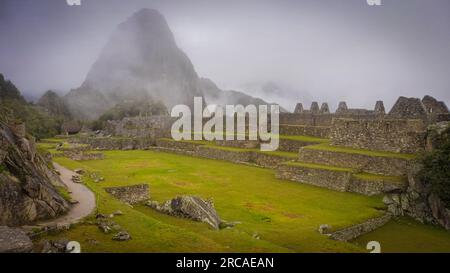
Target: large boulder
pixel 191 207
pixel 14 240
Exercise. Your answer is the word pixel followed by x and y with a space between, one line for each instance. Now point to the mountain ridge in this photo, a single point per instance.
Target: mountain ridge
pixel 142 61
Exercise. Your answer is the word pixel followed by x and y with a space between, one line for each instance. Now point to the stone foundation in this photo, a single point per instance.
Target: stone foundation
pixel 130 194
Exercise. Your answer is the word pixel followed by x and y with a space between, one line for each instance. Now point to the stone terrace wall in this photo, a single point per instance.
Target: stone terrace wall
pixel 340 180
pixel 333 180
pixel 288 145
pixel 112 143
pixel 297 130
pixel 372 164
pixel 404 136
pixel 353 232
pixel 235 156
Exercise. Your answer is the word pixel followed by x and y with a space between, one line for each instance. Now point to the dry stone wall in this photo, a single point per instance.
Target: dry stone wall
pixel 130 194
pixel 339 180
pixel 403 136
pixel 296 130
pixel 353 232
pixel 373 164
pixel 115 143
pixel 334 180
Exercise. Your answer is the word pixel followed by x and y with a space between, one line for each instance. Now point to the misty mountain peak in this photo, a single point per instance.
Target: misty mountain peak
pixel 140 61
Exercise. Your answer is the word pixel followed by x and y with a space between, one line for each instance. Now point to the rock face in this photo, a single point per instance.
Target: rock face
pixel 420 201
pixel 14 240
pixel 27 193
pixel 191 207
pixel 141 61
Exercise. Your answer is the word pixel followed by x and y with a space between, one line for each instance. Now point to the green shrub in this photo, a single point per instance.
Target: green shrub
pixel 436 168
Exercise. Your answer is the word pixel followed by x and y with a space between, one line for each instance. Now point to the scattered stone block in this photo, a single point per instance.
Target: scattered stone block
pixel 190 207
pixel 122 236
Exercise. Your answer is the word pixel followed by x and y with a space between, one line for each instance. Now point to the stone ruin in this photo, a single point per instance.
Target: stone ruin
pixel 400 130
pixel 130 194
pixel 314 108
pixel 379 108
pixel 408 108
pixel 433 106
pixel 342 108
pixel 324 109
pixel 298 108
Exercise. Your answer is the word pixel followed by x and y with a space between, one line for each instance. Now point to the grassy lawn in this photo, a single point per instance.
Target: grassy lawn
pixel 306 139
pixel 407 235
pixel 285 215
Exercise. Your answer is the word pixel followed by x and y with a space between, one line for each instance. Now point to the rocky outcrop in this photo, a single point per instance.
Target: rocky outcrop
pixel 418 202
pixel 190 207
pixel 14 240
pixel 27 193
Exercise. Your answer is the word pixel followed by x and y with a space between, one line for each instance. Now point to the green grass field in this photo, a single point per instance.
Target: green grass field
pixel 407 235
pixel 284 214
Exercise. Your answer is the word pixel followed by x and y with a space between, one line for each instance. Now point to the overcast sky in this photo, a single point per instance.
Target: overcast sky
pixel 324 50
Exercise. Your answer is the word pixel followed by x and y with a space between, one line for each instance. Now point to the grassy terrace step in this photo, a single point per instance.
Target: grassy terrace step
pixel 208 149
pixel 305 138
pixel 211 144
pixel 340 149
pixel 340 179
pixel 319 166
pixel 376 162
